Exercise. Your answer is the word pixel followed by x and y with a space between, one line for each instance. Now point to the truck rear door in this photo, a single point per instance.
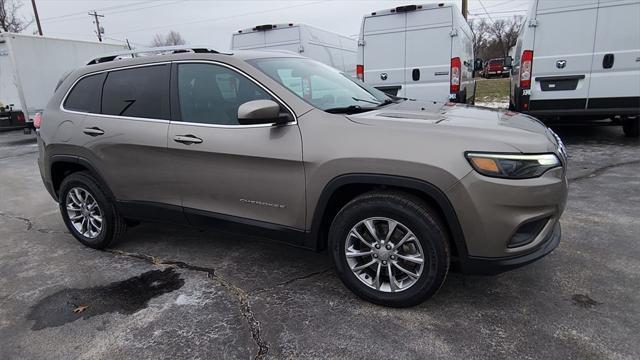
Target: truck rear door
pixel 615 71
pixel 384 52
pixel 428 53
pixel 562 55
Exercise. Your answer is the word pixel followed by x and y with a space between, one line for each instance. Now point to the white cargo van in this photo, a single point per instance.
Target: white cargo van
pixel 418 51
pixel 30 68
pixel 333 49
pixel 579 59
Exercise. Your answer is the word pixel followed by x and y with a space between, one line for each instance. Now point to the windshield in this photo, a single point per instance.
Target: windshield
pixel 320 85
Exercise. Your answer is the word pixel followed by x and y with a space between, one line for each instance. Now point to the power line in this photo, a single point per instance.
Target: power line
pixel 210 20
pixel 485 10
pixel 109 10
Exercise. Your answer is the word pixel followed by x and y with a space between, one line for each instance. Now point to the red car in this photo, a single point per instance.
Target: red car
pixel 495 68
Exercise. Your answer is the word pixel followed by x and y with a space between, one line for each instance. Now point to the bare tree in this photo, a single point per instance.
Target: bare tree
pixel 480 36
pixel 172 38
pixel 505 32
pixel 10 21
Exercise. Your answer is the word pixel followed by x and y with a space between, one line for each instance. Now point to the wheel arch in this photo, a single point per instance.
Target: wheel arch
pixel 343 188
pixel 62 166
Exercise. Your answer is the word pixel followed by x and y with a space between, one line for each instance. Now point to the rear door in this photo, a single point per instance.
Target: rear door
pixel 562 55
pixel 384 52
pixel 126 140
pixel 428 53
pixel 615 71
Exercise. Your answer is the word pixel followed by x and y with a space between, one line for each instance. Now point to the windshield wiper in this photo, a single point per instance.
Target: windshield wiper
pixel 367 101
pixel 351 109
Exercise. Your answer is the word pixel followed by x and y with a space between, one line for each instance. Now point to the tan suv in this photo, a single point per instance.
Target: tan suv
pixel 288 148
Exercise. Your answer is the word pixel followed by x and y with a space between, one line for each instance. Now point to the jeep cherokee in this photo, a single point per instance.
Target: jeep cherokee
pixel 285 147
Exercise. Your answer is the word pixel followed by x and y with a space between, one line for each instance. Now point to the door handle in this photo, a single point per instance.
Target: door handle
pixel 187 139
pixel 607 61
pixel 93 131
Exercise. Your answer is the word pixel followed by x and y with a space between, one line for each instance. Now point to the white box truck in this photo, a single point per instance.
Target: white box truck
pixel 333 49
pixel 30 68
pixel 580 60
pixel 418 51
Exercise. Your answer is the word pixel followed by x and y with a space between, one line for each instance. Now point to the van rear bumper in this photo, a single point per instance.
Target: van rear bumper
pixel 604 107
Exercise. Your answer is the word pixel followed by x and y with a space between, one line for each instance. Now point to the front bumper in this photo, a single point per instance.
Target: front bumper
pixel 493 266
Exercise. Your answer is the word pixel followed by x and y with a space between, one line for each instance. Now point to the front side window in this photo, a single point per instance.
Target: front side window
pixel 212 94
pixel 320 85
pixel 85 95
pixel 138 92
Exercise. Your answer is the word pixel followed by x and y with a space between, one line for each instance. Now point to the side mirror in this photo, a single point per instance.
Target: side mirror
pixel 508 61
pixel 477 64
pixel 261 112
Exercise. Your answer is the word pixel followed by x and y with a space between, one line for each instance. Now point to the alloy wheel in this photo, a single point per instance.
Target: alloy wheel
pixel 84 212
pixel 384 254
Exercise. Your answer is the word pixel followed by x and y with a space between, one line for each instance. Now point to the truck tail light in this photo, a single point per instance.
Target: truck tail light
pixel 20 117
pixel 454 81
pixel 526 64
pixel 360 72
pixel 37 120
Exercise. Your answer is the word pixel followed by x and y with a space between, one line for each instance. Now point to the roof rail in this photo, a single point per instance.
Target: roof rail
pixel 155 50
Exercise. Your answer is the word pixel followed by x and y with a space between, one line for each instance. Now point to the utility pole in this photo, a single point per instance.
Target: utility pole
pixel 35 13
pixel 465 8
pixel 98 28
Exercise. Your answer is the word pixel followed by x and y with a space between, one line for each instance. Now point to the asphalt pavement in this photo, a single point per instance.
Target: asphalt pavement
pixel 168 292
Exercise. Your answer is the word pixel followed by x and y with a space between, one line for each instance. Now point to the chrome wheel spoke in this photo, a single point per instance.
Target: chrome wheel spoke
pixel 376 281
pixel 361 267
pixel 372 229
pixel 409 273
pixel 392 280
pixel 407 237
pixel 359 253
pixel 359 237
pixel 392 227
pixel 411 258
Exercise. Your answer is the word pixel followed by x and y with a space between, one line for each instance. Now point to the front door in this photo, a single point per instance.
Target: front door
pixel 226 169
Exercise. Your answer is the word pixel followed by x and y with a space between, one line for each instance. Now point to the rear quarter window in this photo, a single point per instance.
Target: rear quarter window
pixel 138 92
pixel 85 95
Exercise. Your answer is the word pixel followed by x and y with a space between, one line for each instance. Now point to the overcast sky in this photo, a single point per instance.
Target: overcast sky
pixel 211 22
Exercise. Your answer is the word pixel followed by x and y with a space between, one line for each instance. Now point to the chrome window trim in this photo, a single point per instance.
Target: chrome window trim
pixel 64 98
pixel 250 78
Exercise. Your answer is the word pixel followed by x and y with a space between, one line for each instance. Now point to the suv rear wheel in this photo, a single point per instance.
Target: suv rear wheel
pixel 88 212
pixel 390 248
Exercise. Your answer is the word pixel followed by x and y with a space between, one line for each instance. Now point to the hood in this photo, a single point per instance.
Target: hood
pixel 519 131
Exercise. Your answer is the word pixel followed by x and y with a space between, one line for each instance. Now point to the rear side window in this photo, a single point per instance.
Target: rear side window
pixel 85 96
pixel 139 92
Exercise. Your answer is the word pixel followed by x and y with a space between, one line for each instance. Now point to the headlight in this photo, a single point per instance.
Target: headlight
pixel 512 166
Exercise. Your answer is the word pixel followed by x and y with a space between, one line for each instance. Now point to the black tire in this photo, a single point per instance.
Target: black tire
pixel 113 225
pixel 417 216
pixel 631 127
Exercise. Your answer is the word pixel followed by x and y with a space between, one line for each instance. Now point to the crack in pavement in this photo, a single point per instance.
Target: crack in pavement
pixel 240 294
pixel 292 280
pixel 27 222
pixel 18 155
pixel 601 170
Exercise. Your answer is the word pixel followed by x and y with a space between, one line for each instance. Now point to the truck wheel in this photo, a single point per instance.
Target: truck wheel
pixel 89 214
pixel 390 248
pixel 631 127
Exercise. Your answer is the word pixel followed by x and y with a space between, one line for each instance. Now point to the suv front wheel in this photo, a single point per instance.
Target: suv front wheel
pixel 390 248
pixel 88 212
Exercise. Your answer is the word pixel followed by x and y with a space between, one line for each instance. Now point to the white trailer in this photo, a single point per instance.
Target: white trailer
pixel 30 68
pixel 333 49
pixel 418 51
